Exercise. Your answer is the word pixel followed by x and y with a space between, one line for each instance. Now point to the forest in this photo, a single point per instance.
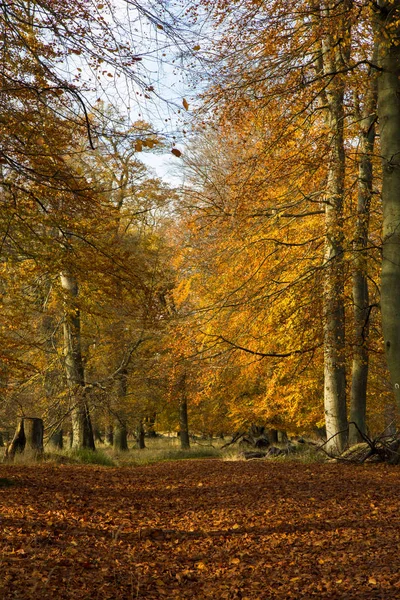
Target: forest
pixel 262 290
pixel 248 298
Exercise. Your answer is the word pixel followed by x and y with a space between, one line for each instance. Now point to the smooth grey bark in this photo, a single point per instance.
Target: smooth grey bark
pixel 82 432
pixel 390 414
pixel 333 60
pixel 361 310
pixel 388 26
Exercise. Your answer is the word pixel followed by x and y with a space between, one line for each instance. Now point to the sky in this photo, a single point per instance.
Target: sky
pixel 166 166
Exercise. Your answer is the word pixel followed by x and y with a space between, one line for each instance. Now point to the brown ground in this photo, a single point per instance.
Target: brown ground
pixel 200 529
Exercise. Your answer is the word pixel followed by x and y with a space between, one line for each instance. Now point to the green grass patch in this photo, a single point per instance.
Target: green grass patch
pixel 85 456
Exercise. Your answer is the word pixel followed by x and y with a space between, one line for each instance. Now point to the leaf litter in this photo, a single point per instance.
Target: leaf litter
pixel 251 530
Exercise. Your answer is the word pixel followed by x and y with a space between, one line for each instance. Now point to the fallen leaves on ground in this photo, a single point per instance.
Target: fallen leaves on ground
pixel 200 529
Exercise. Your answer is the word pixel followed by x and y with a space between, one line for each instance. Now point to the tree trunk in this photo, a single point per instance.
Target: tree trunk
pixel 28 439
pixel 150 424
pixel 120 442
pixel 282 437
pixel 140 436
pixel 82 432
pixel 359 380
pixel 56 439
pixel 334 57
pixel 120 421
pixel 334 314
pixel 184 424
pixel 272 435
pixel 97 435
pixel 109 435
pixel 390 414
pixel 388 25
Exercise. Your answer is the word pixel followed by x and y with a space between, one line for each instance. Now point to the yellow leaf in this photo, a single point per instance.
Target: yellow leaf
pixel 235 561
pixel 201 566
pixel 235 526
pixel 372 580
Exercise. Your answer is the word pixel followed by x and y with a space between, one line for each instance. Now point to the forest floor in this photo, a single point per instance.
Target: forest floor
pixel 200 529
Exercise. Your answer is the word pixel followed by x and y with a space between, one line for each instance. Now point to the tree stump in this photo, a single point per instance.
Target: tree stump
pixel 27 440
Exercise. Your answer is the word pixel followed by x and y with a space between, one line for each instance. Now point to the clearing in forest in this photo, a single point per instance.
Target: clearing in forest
pixel 200 529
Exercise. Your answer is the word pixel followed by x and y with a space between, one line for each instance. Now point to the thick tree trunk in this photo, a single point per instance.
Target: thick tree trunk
pixel 28 439
pixel 334 313
pixel 82 432
pixel 334 57
pixel 359 379
pixel 390 415
pixel 388 25
pixel 120 442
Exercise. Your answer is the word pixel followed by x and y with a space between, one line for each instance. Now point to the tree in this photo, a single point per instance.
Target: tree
pixel 317 65
pixel 388 31
pixel 366 118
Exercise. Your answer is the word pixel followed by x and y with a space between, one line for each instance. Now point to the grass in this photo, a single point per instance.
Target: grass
pixel 165 448
pixel 85 456
pixel 162 449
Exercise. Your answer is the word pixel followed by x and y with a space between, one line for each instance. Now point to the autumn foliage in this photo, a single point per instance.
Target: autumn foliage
pixel 199 529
